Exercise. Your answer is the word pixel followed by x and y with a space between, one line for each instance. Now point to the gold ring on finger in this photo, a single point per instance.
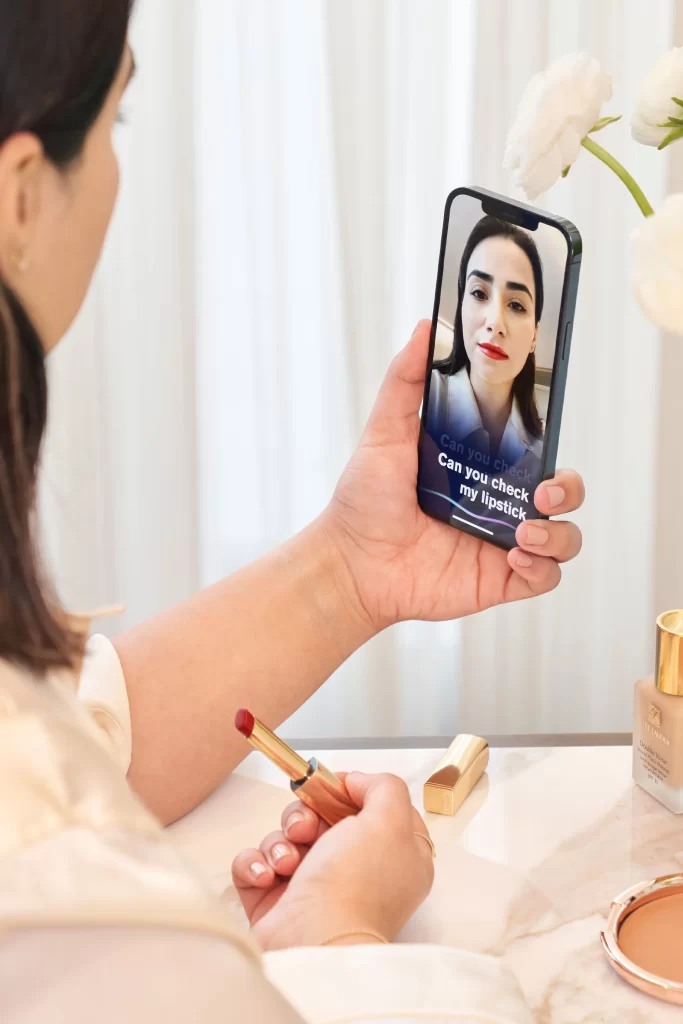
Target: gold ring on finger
pixel 427 839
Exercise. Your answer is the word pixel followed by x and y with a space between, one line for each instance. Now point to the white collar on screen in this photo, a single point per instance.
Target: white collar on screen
pixel 463 409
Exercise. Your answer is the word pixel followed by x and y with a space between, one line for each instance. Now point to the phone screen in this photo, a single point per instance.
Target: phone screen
pixel 489 380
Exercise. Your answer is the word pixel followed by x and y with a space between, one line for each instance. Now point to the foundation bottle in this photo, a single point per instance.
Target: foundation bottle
pixel 658 718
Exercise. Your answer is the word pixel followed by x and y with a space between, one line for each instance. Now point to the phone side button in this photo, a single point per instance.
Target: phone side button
pixel 567 340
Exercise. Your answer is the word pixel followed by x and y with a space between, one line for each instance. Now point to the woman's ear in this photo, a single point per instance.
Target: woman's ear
pixel 534 340
pixel 21 164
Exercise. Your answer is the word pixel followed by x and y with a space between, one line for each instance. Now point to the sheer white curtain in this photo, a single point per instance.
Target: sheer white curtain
pixel 568 662
pixel 328 137
pixel 285 169
pixel 119 496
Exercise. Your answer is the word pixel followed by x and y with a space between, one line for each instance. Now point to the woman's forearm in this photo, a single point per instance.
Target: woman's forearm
pixel 266 638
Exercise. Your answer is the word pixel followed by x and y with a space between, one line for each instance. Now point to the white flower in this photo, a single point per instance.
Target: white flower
pixel 656 104
pixel 559 107
pixel 657 260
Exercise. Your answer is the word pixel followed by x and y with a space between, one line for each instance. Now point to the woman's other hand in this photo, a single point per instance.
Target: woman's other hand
pixel 406 565
pixel 308 883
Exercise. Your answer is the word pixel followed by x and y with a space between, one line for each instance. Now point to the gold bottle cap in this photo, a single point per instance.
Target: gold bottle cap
pixel 669 671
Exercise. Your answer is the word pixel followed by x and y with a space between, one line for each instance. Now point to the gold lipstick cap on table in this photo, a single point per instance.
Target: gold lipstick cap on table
pixel 456 774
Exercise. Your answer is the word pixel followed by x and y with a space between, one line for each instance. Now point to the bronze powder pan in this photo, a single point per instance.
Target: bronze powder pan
pixel 643 937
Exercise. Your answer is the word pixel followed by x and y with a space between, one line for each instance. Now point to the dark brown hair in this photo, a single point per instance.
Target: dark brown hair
pixel 58 62
pixel 523 384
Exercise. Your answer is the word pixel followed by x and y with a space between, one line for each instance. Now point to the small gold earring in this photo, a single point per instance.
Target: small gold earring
pixel 20 261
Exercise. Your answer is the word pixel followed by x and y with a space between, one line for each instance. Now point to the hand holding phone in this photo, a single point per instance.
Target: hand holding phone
pixel 501 333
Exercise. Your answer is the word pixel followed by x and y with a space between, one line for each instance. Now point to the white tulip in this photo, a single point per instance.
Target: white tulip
pixel 559 107
pixel 657 112
pixel 657 261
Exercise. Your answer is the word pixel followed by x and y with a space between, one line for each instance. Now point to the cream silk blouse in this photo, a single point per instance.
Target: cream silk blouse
pixel 102 921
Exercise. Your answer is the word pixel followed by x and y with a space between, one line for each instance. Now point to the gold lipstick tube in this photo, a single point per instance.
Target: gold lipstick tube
pixel 311 782
pixel 324 793
pixel 277 751
pixel 456 774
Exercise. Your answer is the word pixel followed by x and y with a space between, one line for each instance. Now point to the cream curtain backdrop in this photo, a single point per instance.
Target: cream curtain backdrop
pixel 569 661
pixel 284 174
pixel 120 471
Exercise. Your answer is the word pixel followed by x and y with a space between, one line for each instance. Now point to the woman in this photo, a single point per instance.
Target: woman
pixel 485 397
pixel 89 889
pixel 482 409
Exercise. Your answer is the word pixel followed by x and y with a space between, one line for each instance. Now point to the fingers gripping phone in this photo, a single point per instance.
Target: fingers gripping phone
pixel 501 334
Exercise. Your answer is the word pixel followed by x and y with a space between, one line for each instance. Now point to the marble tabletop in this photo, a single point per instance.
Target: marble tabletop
pixel 525 871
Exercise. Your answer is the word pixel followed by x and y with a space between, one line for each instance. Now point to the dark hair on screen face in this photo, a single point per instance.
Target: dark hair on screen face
pixel 523 384
pixel 58 62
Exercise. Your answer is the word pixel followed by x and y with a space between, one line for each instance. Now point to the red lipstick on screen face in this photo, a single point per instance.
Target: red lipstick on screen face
pixel 493 351
pixel 310 781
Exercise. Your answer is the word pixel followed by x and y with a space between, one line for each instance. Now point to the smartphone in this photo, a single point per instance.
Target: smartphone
pixel 501 335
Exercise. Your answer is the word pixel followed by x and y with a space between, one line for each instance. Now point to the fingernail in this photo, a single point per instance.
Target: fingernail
pixel 417 328
pixel 534 534
pixel 293 820
pixel 556 495
pixel 279 851
pixel 523 561
pixel 257 869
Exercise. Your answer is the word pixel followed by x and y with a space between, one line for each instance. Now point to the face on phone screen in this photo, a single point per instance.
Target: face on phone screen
pixel 489 382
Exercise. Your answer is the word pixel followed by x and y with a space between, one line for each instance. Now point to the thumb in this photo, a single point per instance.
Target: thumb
pixel 394 417
pixel 386 796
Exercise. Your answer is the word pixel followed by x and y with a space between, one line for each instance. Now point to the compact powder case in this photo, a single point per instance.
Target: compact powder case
pixel 643 937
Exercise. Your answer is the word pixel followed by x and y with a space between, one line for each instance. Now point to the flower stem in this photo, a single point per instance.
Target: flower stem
pixel 634 188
